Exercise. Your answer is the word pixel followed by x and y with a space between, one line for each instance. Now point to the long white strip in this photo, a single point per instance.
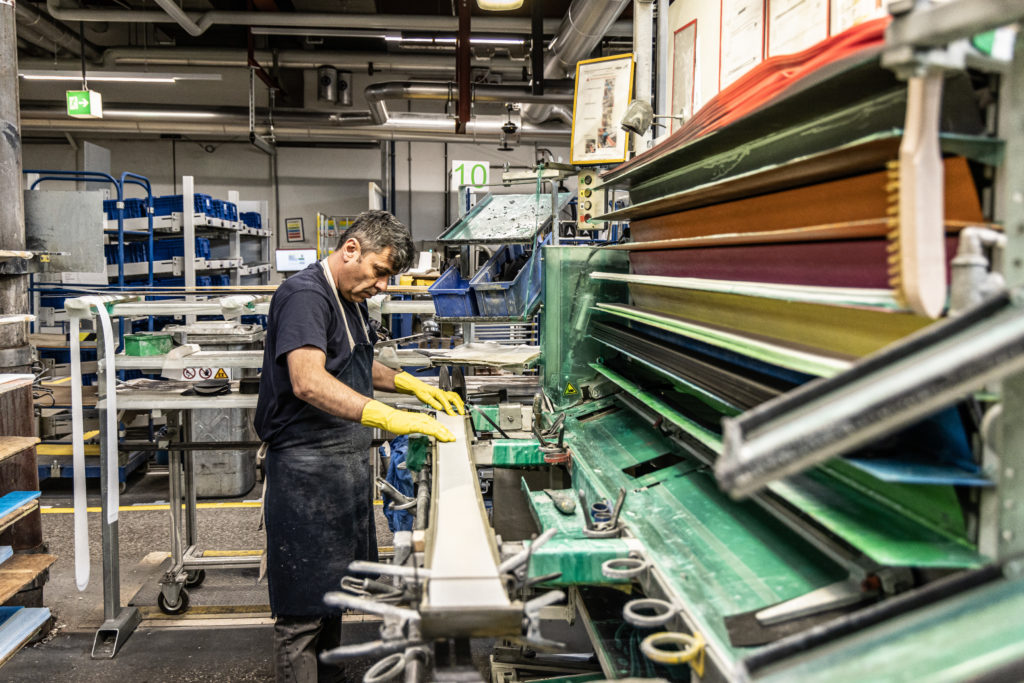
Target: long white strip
pixel 78 462
pixel 113 496
pixel 851 296
pixel 462 566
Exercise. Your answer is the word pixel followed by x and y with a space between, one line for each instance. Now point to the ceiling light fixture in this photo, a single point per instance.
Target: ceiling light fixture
pixel 114 76
pixel 160 114
pixel 499 5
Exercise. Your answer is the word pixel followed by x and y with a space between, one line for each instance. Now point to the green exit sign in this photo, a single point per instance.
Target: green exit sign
pixel 85 104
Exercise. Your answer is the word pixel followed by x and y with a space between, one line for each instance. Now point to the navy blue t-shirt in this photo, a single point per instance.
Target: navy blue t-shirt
pixel 303 312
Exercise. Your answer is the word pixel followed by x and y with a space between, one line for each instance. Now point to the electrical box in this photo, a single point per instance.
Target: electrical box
pixel 590 201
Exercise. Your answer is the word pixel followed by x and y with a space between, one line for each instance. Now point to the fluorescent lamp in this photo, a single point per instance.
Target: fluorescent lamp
pixel 499 5
pixel 114 76
pixel 161 113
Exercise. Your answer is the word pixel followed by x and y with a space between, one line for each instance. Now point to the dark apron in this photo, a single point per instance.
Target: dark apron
pixel 317 507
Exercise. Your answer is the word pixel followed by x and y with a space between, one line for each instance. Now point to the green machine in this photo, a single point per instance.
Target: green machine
pixel 732 529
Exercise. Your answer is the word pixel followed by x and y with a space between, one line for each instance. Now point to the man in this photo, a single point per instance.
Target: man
pixel 315 412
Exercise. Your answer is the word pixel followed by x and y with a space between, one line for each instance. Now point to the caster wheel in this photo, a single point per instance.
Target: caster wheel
pixel 195 578
pixel 180 608
pixel 122 486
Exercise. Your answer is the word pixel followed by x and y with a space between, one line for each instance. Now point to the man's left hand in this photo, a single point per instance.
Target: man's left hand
pixel 434 397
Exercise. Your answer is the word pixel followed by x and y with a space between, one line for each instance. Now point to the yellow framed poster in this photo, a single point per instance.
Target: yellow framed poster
pixel 604 88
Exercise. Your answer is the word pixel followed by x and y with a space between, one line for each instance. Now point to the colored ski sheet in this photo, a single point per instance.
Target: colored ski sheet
pixel 840 263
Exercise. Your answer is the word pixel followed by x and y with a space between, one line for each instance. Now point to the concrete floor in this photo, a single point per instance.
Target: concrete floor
pixel 207 647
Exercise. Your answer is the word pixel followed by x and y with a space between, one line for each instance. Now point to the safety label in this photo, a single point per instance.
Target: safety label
pixel 570 390
pixel 191 374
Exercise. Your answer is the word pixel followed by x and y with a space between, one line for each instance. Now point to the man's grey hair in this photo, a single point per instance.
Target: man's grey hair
pixel 376 231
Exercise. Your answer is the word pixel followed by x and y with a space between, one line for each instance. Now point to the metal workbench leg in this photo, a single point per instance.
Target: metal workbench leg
pixel 118 621
pixel 174 496
pixel 190 487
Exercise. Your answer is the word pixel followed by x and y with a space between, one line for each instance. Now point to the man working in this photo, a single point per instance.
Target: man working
pixel 315 412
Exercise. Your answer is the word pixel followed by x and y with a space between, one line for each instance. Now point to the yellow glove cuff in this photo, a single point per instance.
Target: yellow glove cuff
pixel 376 414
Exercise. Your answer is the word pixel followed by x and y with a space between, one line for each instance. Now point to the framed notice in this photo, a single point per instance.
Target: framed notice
pixel 293 229
pixel 741 46
pixel 604 88
pixel 846 13
pixel 795 25
pixel 684 71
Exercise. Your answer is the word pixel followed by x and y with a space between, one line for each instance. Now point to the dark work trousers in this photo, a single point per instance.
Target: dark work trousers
pixel 298 641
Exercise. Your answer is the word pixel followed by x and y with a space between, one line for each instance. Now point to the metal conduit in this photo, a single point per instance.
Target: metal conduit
pixel 30 18
pixel 435 65
pixel 377 93
pixel 426 128
pixel 586 22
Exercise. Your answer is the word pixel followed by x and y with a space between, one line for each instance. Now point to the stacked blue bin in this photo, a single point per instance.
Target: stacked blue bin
pixel 171 203
pixel 507 299
pixel 251 219
pixel 452 296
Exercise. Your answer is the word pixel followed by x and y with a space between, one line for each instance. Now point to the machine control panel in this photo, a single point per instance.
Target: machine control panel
pixel 590 200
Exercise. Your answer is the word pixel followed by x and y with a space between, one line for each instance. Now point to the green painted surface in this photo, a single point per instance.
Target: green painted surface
pixel 570 552
pixel 705 436
pixel 480 422
pixel 956 639
pixel 516 453
pixel 722 557
pixel 867 520
pixel 898 525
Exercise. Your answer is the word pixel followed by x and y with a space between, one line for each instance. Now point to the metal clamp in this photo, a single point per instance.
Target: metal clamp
pixel 531 619
pixel 400 500
pixel 624 567
pixel 684 649
pixel 604 529
pixel 385 669
pixel 660 612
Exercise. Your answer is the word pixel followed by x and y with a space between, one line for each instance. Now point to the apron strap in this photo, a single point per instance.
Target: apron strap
pixel 344 318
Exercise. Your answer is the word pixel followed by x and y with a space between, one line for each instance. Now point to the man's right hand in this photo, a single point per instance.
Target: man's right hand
pixel 376 414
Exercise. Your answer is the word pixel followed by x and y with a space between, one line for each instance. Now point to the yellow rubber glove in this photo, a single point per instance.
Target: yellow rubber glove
pixel 438 399
pixel 376 414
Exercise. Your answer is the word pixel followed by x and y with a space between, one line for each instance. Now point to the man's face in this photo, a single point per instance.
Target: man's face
pixel 363 274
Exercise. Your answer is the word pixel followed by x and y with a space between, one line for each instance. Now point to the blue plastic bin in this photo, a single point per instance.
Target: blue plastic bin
pixel 452 296
pixel 507 299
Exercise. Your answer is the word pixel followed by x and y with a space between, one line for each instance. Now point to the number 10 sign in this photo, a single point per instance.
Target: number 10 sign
pixel 473 173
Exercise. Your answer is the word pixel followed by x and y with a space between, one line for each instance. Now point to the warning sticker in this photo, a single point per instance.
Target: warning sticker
pixel 221 374
pixel 570 390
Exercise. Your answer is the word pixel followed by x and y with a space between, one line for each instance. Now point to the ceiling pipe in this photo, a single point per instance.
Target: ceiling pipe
pixel 435 65
pixel 43 43
pixel 377 93
pixel 179 16
pixel 415 22
pixel 34 20
pixel 230 122
pixel 586 22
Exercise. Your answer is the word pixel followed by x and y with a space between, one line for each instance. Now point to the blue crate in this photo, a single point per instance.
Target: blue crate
pixel 222 280
pixel 171 203
pixel 203 281
pixel 164 249
pixel 452 296
pixel 251 219
pixel 507 299
pixel 230 211
pixel 133 208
